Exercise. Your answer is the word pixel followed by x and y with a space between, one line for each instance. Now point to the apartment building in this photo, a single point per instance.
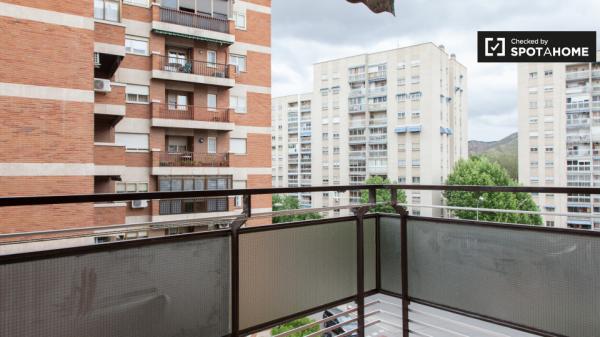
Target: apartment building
pixel 132 96
pixel 559 137
pixel 400 114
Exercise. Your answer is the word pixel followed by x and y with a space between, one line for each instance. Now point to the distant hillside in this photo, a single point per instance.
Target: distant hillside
pixel 503 151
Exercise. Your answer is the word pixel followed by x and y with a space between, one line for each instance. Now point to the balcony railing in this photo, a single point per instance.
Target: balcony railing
pixel 193 159
pixel 191 112
pixel 187 66
pixel 402 273
pixel 199 21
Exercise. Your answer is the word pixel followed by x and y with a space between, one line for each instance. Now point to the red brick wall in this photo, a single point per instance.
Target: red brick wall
pixel 46 131
pixel 258 29
pixel 109 215
pixel 107 33
pixel 109 155
pixel 47 55
pixel 33 218
pixel 77 7
pixel 115 96
pixel 258 152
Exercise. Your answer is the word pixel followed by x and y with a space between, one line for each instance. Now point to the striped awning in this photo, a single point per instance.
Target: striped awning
pixel 193 37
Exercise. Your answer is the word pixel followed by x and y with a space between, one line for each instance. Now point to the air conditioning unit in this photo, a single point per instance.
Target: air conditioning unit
pixel 139 203
pixel 101 85
pixel 96 60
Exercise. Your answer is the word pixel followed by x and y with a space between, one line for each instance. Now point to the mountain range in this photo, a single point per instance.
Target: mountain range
pixel 503 152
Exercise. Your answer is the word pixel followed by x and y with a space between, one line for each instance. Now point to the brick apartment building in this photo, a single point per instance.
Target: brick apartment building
pixel 105 96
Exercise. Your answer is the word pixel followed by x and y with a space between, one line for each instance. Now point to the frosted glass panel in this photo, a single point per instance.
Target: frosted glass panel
pixel 161 290
pixel 550 281
pixel 391 276
pixel 289 270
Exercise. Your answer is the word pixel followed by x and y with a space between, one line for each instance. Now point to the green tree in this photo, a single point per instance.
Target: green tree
pixel 480 171
pixel 286 202
pixel 382 195
pixel 295 324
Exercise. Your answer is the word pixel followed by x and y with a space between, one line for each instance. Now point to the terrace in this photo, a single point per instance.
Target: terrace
pixel 395 274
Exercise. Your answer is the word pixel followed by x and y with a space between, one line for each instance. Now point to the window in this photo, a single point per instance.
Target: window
pixel 211 101
pixel 132 141
pixel 548 103
pixel 211 145
pixel 211 58
pixel 239 200
pixel 549 223
pixel 240 19
pixel 238 103
pixel 401 81
pixel 144 3
pixel 533 163
pixel 533 120
pixel 533 149
pixel 136 45
pixel 325 136
pixel 533 75
pixel 401 65
pixel 401 180
pixel 137 93
pixel 415 79
pixel 122 187
pixel 415 114
pixel 416 180
pixel 533 105
pixel 177 101
pixel 239 61
pixel 106 10
pixel 237 145
pixel 416 163
pixel 548 88
pixel 549 149
pixel 401 114
pixel 548 73
pixel 402 163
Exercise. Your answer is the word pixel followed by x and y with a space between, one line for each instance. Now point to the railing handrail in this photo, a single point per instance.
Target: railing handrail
pixel 105 197
pixel 195 20
pixel 192 60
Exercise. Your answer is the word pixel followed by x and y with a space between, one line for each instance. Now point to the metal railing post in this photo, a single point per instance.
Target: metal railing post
pixel 404 268
pixel 235 265
pixel 360 212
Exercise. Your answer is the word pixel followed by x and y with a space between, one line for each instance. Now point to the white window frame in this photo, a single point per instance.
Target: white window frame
pixel 238 67
pixel 119 141
pixel 137 39
pixel 138 91
pixel 233 147
pixel 240 14
pixel 234 103
pixel 211 54
pixel 208 100
pixel 211 144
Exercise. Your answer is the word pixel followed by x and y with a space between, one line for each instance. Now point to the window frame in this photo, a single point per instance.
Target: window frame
pixel 138 39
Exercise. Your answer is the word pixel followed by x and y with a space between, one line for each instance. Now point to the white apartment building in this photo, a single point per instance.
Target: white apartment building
pixel 400 114
pixel 559 137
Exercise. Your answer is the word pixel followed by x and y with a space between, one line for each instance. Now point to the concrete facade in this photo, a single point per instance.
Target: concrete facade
pixel 400 114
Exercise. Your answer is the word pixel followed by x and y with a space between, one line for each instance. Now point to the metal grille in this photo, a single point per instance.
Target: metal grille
pixel 163 290
pixel 285 271
pixel 550 281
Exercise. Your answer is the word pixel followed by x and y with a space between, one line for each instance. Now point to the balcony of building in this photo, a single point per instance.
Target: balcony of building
pixel 109 38
pixel 183 116
pixel 357 92
pixel 180 67
pixel 357 77
pixel 378 138
pixel 190 159
pixel 357 108
pixel 109 103
pixel 205 20
pixel 376 274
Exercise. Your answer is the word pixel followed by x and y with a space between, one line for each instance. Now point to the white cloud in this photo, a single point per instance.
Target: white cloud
pixel 310 31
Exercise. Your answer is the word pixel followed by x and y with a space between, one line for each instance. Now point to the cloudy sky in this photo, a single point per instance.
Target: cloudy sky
pixel 310 31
